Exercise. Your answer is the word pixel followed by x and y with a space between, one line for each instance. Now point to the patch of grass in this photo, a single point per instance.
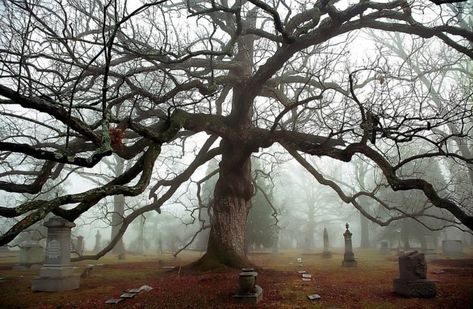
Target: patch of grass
pixel 367 286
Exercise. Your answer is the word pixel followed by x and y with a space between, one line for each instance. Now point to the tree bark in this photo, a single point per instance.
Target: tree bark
pixel 117 220
pixel 118 208
pixel 230 208
pixel 365 234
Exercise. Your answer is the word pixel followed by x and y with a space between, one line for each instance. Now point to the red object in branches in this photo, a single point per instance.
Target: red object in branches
pixel 116 137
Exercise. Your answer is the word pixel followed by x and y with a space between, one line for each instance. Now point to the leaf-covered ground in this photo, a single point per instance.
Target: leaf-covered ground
pixel 367 286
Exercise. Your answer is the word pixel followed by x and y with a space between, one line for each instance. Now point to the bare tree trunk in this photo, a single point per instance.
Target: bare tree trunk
pixel 309 241
pixel 405 235
pixel 234 189
pixel 365 234
pixel 117 218
pixel 230 209
pixel 118 209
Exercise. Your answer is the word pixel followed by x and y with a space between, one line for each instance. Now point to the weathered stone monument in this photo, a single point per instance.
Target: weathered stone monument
pixel 429 247
pixel 98 242
pixel 31 253
pixel 326 253
pixel 384 248
pixel 79 247
pixel 412 281
pixel 57 273
pixel 248 291
pixel 348 256
pixel 452 247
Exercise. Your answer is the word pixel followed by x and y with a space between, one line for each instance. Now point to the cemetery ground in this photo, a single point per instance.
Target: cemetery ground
pixel 369 285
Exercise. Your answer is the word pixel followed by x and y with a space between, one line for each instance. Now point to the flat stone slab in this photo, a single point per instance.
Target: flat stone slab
pixel 251 298
pixel 313 297
pixel 145 288
pixel 134 290
pixel 128 295
pixel 306 276
pixel 418 288
pixel 301 271
pixel 113 300
pixel 306 279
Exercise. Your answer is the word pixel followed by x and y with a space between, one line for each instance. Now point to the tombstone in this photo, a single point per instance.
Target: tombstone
pixel 98 240
pixel 248 291
pixel 79 247
pixel 429 248
pixel 384 249
pixel 326 253
pixel 348 256
pixel 412 281
pixel 31 253
pixel 57 273
pixel 452 247
pixel 275 244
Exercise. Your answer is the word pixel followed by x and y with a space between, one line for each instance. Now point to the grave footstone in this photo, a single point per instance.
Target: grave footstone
pixel 128 295
pixel 313 297
pixel 452 247
pixel 412 281
pixel 326 253
pixel 348 256
pixel 113 300
pixel 57 274
pixel 145 288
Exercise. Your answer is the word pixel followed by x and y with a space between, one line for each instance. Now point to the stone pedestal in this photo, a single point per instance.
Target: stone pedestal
pixel 348 256
pixel 248 291
pixel 326 253
pixel 418 288
pixel 57 273
pixel 250 298
pixel 412 281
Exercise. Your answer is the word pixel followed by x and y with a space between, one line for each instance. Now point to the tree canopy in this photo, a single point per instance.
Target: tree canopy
pixel 82 80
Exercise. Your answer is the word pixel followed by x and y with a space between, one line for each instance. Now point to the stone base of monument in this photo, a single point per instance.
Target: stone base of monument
pixel 250 298
pixel 349 263
pixel 326 254
pixel 417 288
pixel 52 279
pixel 26 267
